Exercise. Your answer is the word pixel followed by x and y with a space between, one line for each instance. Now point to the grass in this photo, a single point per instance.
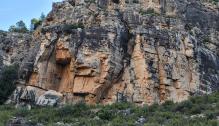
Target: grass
pixel 6 112
pixel 123 114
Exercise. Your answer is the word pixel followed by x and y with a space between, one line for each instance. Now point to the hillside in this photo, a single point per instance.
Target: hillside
pixel 197 111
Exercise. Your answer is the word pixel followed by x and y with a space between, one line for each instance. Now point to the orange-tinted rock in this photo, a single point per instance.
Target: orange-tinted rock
pixel 136 52
pixel 62 54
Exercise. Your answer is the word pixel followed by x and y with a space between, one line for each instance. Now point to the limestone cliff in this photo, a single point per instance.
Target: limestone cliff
pixel 141 51
pixel 15 48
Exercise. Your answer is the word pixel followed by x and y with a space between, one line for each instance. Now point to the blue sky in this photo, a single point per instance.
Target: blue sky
pixel 11 11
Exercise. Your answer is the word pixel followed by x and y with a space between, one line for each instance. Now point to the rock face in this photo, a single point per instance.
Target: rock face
pixel 20 49
pixel 141 51
pixel 14 47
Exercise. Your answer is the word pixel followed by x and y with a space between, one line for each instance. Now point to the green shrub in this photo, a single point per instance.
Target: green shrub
pixel 7 86
pixel 73 110
pixel 22 112
pixel 212 114
pixel 120 105
pixel 35 23
pixel 122 121
pixel 6 113
pixel 168 106
pixel 43 115
pixel 106 114
pixel 196 109
pixel 154 107
pixel 184 106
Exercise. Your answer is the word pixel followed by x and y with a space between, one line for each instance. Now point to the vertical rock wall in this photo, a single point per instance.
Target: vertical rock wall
pixel 141 51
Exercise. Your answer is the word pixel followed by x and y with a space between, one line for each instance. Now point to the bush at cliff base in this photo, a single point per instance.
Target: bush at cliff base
pixel 7 86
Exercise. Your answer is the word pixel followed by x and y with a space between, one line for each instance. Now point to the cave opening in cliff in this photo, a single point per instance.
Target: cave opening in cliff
pixel 116 1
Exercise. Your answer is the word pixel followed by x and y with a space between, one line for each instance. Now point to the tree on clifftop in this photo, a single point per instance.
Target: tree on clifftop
pixel 19 27
pixel 35 23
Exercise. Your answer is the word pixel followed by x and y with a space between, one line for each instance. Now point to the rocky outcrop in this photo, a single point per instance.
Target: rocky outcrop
pixel 140 51
pixel 14 47
pixel 18 49
pixel 34 96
